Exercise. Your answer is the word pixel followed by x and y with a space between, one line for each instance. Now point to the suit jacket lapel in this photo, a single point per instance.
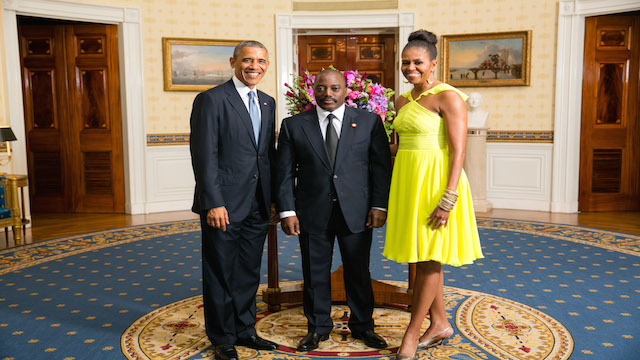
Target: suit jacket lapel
pixel 346 136
pixel 265 119
pixel 311 128
pixel 237 103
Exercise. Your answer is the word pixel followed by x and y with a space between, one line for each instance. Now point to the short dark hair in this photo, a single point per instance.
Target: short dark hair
pixel 423 39
pixel 332 71
pixel 249 43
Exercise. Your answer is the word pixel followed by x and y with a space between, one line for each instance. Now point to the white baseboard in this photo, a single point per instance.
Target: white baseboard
pixel 515 204
pixel 162 206
pixel 519 175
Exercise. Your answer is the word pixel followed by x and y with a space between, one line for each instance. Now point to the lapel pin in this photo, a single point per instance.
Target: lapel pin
pixel 354 124
pixel 265 104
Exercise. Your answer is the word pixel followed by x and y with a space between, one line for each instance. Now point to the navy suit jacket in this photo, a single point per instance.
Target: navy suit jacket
pixel 226 161
pixel 361 177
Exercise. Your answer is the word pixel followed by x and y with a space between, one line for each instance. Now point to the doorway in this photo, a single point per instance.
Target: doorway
pixel 610 130
pixel 73 127
pixel 373 54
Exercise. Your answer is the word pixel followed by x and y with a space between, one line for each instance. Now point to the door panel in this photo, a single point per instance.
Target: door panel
pixel 44 91
pixel 72 117
pixel 374 55
pixel 370 54
pixel 96 128
pixel 610 145
pixel 320 52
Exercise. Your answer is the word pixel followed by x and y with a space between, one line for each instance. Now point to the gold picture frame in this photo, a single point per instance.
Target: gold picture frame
pixel 487 59
pixel 196 64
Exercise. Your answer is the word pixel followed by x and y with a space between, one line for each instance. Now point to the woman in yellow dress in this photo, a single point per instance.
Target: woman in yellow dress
pixel 430 219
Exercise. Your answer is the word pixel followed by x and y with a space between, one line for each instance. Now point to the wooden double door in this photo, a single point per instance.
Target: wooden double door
pixel 610 134
pixel 71 89
pixel 372 54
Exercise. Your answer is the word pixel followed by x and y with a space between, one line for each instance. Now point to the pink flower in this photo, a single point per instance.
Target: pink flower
pixel 350 76
pixel 377 89
pixel 362 93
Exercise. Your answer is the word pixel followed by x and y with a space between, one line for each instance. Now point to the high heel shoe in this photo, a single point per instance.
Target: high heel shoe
pixel 435 339
pixel 406 357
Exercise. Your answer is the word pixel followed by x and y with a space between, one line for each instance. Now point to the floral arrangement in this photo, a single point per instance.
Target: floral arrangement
pixel 361 93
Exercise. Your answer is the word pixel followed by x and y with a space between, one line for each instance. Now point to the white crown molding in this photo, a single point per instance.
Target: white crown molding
pixel 287 24
pixel 568 96
pixel 132 15
pixel 131 78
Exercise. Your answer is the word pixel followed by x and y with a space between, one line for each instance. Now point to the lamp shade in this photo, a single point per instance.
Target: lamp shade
pixel 6 134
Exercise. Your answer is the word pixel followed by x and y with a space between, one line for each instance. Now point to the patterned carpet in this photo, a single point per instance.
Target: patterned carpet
pixel 544 291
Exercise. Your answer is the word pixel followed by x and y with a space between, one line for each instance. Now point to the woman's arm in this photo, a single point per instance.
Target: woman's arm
pixel 455 115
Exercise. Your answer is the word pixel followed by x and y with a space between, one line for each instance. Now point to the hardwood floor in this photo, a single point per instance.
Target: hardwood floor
pixel 46 226
pixel 50 226
pixel 626 222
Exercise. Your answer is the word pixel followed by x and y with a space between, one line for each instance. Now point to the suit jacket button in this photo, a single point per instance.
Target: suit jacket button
pixel 335 176
pixel 255 176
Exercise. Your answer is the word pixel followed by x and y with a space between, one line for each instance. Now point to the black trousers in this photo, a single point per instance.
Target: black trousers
pixel 317 251
pixel 231 275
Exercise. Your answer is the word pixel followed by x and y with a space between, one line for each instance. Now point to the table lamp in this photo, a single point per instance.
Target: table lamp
pixel 6 135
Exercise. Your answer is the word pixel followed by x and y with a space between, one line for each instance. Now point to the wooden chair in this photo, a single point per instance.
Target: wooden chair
pixel 10 210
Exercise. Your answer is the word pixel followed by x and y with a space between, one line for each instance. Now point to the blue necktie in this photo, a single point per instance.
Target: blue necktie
pixel 254 112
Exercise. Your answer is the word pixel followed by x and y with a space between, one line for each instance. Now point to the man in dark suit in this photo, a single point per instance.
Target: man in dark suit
pixel 333 177
pixel 232 147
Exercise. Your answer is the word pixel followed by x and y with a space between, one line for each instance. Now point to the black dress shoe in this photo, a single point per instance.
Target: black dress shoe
pixel 225 352
pixel 257 343
pixel 310 341
pixel 371 339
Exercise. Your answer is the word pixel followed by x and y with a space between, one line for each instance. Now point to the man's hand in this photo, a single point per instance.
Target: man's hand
pixel 376 218
pixel 218 218
pixel 291 225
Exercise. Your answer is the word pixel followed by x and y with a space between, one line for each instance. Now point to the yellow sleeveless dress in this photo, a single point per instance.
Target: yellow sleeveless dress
pixel 420 175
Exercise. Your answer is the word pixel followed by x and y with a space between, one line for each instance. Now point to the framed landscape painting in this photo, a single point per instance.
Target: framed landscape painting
pixel 196 64
pixel 491 59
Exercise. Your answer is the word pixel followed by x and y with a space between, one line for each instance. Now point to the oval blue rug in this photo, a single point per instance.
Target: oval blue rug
pixel 544 291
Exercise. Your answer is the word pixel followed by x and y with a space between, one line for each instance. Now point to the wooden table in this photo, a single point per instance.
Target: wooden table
pixel 274 295
pixel 20 181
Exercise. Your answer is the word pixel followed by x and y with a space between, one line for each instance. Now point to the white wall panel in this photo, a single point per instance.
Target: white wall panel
pixel 170 180
pixel 519 175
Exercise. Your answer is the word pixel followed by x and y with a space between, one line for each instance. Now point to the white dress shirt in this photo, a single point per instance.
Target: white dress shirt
pixel 337 124
pixel 323 118
pixel 244 91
